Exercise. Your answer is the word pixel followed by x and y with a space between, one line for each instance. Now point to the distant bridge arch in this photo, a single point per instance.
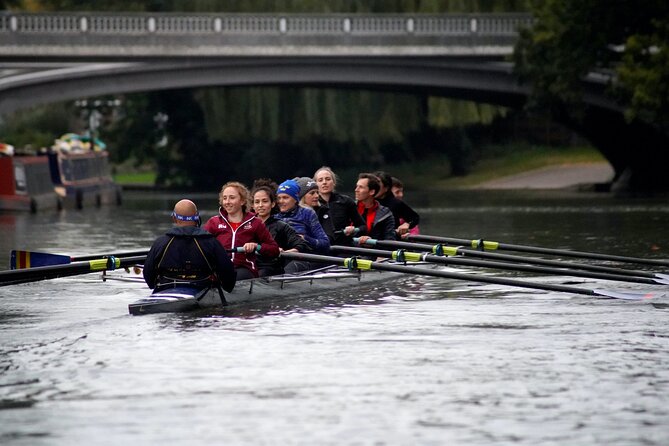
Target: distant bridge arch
pixel 493 84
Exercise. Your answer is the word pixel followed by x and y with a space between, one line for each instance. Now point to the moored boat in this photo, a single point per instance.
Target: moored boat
pixel 311 283
pixel 75 176
pixel 25 184
pixel 81 174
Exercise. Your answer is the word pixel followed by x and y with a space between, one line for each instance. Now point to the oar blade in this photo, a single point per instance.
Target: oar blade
pixel 29 259
pixel 13 277
pixel 628 295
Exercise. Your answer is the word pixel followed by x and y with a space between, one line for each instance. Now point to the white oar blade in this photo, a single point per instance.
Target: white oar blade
pixel 629 295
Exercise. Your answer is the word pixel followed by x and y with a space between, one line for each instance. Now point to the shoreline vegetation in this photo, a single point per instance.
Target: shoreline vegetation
pixel 495 162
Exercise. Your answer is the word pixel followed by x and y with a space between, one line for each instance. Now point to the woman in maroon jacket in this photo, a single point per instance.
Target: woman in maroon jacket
pixel 235 227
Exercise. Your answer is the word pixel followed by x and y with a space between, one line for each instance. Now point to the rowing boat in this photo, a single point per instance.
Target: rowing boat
pixel 181 298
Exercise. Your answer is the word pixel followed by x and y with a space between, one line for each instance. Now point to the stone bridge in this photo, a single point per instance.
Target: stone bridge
pixel 63 56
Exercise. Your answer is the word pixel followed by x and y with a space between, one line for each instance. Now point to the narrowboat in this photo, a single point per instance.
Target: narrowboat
pixel 69 175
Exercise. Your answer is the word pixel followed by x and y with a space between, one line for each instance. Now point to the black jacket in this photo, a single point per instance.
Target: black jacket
pixel 178 256
pixel 323 212
pixel 341 211
pixel 383 227
pixel 400 210
pixel 286 237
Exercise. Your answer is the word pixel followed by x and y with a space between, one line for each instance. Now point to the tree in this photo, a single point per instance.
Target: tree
pixel 626 42
pixel 644 76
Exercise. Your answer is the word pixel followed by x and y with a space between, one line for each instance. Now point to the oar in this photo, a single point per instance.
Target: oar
pixel 455 251
pixel 12 277
pixel 361 264
pixel 490 245
pixel 29 259
pixel 407 256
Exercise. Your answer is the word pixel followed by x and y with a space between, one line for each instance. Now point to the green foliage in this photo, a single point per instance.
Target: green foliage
pixel 297 115
pixel 644 76
pixel 132 135
pixel 38 127
pixel 445 112
pixel 572 38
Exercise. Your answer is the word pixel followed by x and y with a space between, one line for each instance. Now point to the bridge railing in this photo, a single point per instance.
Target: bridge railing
pixel 238 23
pixel 76 29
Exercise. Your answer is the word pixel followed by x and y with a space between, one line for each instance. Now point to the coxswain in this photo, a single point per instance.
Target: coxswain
pixel 188 255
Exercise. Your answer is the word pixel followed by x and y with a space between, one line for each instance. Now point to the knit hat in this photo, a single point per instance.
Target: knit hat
pixel 289 187
pixel 306 185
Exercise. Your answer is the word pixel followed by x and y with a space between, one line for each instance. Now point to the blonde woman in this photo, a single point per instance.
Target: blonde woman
pixel 235 226
pixel 342 209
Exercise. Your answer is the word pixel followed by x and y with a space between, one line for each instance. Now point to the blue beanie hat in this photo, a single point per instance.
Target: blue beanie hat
pixel 289 187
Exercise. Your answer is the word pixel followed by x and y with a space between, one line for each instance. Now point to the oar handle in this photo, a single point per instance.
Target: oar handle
pixel 341 232
pixel 141 252
pixel 241 250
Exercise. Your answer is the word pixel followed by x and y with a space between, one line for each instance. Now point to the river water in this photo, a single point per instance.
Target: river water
pixel 416 361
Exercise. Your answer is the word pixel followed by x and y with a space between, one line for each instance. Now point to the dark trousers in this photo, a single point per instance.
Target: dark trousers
pixel 243 273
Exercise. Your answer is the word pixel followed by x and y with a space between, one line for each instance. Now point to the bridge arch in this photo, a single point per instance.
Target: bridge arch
pixel 485 81
pixel 493 83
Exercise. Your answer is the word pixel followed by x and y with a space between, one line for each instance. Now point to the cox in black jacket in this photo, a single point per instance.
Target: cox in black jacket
pixel 188 254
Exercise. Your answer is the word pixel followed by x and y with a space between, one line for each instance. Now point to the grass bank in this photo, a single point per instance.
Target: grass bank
pixel 130 173
pixel 142 178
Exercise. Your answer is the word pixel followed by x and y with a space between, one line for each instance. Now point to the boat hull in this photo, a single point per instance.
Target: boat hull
pixel 25 184
pixel 56 181
pixel 180 298
pixel 83 179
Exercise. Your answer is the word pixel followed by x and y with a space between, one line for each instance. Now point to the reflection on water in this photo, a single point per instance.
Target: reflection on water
pixel 415 361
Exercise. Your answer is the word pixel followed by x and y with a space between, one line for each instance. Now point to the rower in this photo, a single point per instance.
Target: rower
pixel 398 192
pixel 341 209
pixel 402 212
pixel 264 205
pixel 303 220
pixel 187 255
pixel 309 198
pixel 236 227
pixel 379 219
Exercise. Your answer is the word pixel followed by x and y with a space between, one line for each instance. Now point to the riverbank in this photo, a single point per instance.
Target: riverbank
pixel 586 176
pixel 514 167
